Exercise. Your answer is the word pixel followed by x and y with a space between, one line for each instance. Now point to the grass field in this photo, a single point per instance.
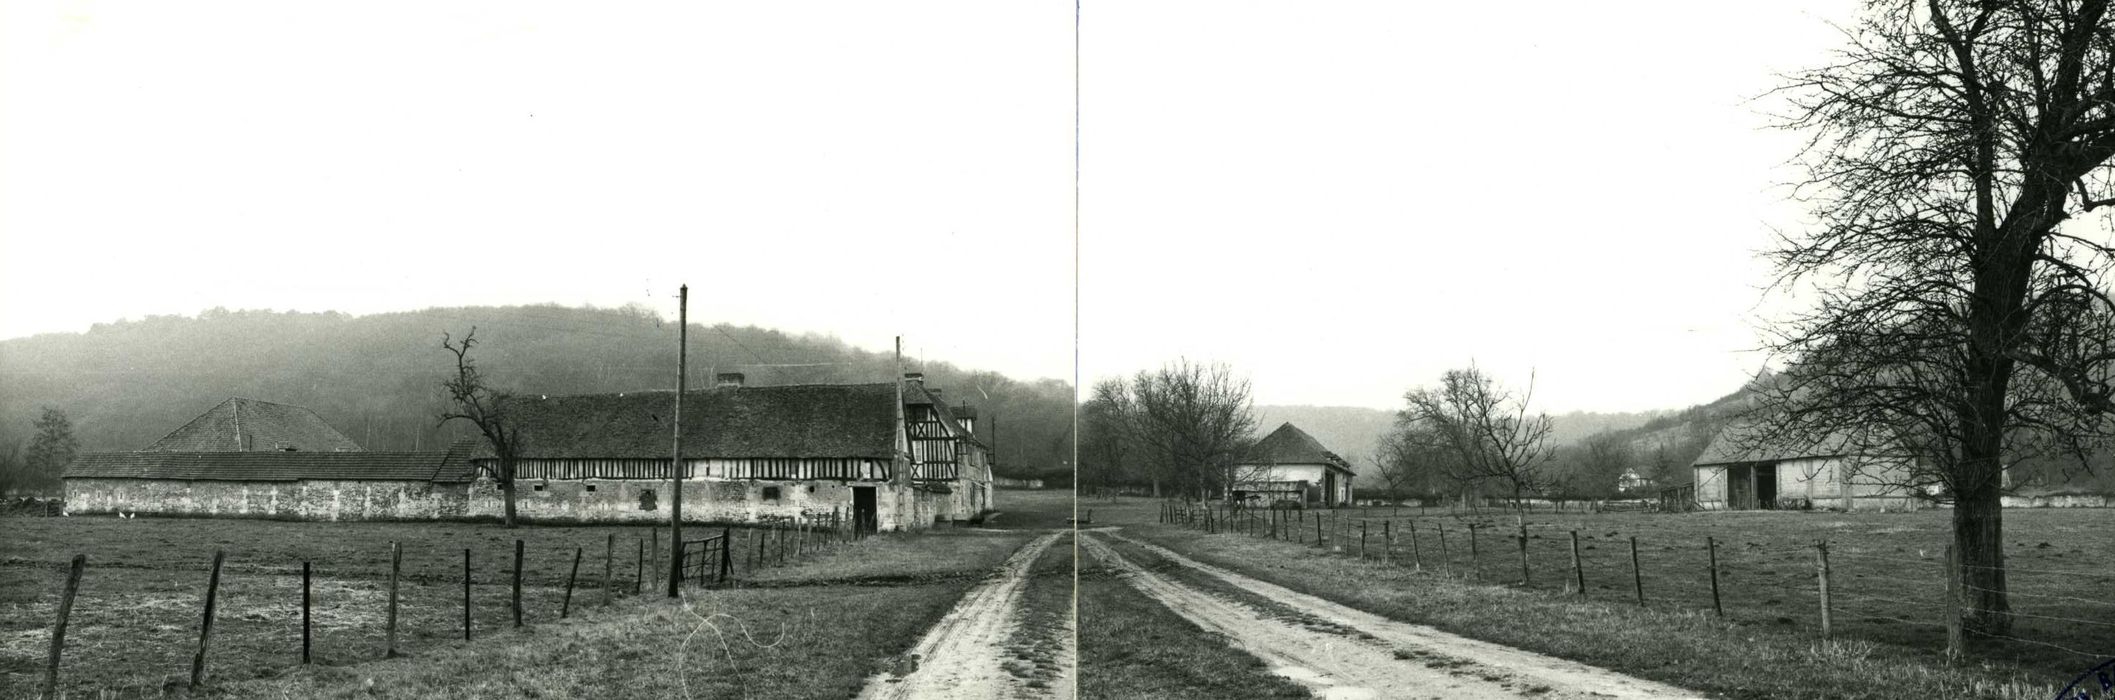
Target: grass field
pixel 135 623
pixel 1886 588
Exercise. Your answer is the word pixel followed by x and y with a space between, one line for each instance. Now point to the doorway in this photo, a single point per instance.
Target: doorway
pixel 1766 486
pixel 864 516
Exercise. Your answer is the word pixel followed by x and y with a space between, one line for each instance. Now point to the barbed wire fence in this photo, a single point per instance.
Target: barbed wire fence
pixel 719 560
pixel 1839 588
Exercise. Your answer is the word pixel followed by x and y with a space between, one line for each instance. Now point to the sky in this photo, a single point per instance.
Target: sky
pixel 1341 200
pixel 854 169
pixel 1344 200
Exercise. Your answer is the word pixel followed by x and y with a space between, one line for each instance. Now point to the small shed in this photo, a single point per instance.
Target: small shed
pixel 1289 465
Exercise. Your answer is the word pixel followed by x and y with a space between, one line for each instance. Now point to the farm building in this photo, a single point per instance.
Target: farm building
pixel 256 458
pixel 1288 465
pixel 888 455
pixel 1744 469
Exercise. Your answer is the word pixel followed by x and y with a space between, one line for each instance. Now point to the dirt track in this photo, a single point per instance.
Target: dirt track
pixel 1377 657
pixel 962 655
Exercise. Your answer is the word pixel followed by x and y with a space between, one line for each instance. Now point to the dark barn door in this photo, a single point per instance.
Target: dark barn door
pixel 1766 486
pixel 864 516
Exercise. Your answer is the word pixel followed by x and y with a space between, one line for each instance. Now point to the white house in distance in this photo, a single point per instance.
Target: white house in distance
pixel 1742 469
pixel 1290 465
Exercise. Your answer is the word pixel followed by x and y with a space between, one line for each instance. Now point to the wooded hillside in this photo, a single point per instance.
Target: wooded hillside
pixel 377 378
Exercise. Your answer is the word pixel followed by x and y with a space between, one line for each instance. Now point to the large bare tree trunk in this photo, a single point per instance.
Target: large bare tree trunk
pixel 1978 538
pixel 506 488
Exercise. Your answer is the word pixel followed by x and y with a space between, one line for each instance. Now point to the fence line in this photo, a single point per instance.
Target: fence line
pixel 1842 589
pixel 778 541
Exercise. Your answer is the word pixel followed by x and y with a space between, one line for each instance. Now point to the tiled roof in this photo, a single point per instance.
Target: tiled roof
pixel 1748 442
pixel 802 421
pixel 249 425
pixel 1291 445
pixel 450 466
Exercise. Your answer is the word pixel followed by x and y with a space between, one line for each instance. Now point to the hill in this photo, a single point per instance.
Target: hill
pixel 376 377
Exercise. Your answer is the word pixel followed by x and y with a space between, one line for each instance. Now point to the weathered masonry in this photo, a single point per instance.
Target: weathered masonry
pixel 261 459
pixel 886 456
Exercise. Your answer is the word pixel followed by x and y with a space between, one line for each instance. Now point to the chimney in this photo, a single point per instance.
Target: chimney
pixel 728 380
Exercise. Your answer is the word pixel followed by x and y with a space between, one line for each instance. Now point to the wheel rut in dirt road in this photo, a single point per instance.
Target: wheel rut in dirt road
pixel 1362 655
pixel 963 655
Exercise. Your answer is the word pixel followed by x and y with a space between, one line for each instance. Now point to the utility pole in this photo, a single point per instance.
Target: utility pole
pixel 675 496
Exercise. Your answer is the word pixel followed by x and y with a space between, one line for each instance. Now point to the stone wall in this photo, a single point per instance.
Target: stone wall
pixel 587 500
pixel 299 500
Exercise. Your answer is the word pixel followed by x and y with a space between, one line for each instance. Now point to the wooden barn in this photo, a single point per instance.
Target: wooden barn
pixel 260 459
pixel 1290 466
pixel 1745 469
pixel 888 456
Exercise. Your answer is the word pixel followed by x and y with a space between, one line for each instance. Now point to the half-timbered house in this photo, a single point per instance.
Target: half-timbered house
pixel 886 456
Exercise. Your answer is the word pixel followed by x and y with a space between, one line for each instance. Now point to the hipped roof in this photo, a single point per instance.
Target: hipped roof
pixel 840 421
pixel 1291 445
pixel 246 425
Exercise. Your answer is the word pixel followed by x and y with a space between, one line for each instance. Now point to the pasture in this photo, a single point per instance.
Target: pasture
pixel 1887 589
pixel 135 622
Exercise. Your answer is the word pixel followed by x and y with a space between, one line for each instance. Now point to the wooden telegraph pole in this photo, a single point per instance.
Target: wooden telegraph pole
pixel 675 474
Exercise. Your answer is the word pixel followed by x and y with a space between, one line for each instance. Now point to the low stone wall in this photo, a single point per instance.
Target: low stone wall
pixel 587 500
pixel 297 500
pixel 2071 500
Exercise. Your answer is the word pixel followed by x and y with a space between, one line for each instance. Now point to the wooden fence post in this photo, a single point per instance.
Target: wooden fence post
pixel 1319 541
pixel 566 609
pixel 639 569
pixel 1475 569
pixel 1446 558
pixel 1388 541
pixel 58 627
pixel 726 553
pixel 517 583
pixel 1711 545
pixel 1525 577
pixel 1362 538
pixel 1821 552
pixel 1578 569
pixel 653 551
pixel 305 604
pixel 1417 559
pixel 205 628
pixel 1637 576
pixel 609 566
pixel 466 594
pixel 396 566
pixel 1956 642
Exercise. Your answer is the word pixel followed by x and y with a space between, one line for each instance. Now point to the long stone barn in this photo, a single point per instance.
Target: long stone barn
pixel 887 456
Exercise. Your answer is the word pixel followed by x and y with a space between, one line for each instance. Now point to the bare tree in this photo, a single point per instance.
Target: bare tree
pixel 1487 430
pixel 474 401
pixel 1106 454
pixel 50 450
pixel 1410 459
pixel 1957 321
pixel 1194 421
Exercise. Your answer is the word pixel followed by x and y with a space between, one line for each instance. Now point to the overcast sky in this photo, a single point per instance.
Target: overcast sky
pixel 1340 199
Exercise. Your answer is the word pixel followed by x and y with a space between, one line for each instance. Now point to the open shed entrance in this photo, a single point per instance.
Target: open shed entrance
pixel 864 516
pixel 1752 486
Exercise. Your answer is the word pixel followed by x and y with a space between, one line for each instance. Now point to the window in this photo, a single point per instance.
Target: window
pixel 771 493
pixel 591 488
pixel 646 499
pixel 811 488
pixel 541 487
